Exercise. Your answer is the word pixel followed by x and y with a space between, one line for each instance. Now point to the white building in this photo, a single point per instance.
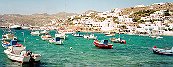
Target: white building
pixel 125 18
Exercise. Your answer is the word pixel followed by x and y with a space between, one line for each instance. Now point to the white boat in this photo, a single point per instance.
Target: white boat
pixel 9 36
pixel 44 32
pixel 162 51
pixel 153 36
pixel 20 54
pixel 60 35
pixel 91 36
pixel 46 37
pixel 110 34
pixel 68 31
pixel 16 27
pixel 106 33
pixel 118 40
pixel 159 37
pixel 77 35
pixel 35 33
pixel 26 28
pixel 56 40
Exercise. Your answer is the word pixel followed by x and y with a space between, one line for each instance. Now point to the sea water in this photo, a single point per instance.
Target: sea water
pixel 137 51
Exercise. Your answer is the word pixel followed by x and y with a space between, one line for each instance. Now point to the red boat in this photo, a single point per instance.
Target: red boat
pixel 103 44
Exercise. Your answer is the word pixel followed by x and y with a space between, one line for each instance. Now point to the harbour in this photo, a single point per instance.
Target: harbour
pixel 136 52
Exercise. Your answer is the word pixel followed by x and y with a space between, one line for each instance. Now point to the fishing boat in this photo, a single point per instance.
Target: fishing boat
pixel 68 31
pixel 110 34
pixel 91 36
pixel 35 33
pixel 20 54
pixel 103 44
pixel 46 37
pixel 60 35
pixel 44 32
pixel 16 27
pixel 162 51
pixel 77 35
pixel 118 40
pixel 6 44
pixel 56 40
pixel 159 37
pixel 9 37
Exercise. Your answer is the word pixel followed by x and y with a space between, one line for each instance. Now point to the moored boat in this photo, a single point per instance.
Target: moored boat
pixel 46 37
pixel 119 40
pixel 35 33
pixel 6 44
pixel 56 40
pixel 110 34
pixel 103 44
pixel 60 35
pixel 162 51
pixel 68 31
pixel 20 54
pixel 16 27
pixel 77 35
pixel 159 37
pixel 44 32
pixel 9 37
pixel 91 36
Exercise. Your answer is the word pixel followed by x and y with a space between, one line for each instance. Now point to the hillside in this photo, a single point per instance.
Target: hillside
pixel 154 7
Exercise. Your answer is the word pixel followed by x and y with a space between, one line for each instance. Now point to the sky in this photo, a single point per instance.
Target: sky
pixel 71 6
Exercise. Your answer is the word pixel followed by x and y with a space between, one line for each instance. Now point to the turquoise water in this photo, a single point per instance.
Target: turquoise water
pixel 137 51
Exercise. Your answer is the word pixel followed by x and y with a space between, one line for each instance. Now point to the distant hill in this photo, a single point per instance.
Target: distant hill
pixel 63 15
pixel 86 12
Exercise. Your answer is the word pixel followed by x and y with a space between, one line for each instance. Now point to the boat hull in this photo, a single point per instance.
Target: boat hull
pixel 103 45
pixel 162 51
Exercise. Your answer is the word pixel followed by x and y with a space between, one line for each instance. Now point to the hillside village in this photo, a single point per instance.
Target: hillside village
pixel 153 19
pixel 138 20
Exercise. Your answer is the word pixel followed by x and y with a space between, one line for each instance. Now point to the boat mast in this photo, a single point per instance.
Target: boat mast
pixel 23 36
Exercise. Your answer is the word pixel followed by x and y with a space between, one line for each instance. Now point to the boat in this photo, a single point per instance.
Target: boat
pixel 25 28
pixel 35 33
pixel 56 40
pixel 9 37
pixel 152 36
pixel 91 36
pixel 68 31
pixel 6 44
pixel 16 27
pixel 77 35
pixel 162 51
pixel 20 54
pixel 44 32
pixel 60 35
pixel 110 34
pixel 103 44
pixel 118 40
pixel 159 37
pixel 46 37
pixel 106 33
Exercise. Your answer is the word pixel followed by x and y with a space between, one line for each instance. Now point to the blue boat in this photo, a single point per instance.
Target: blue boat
pixel 6 44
